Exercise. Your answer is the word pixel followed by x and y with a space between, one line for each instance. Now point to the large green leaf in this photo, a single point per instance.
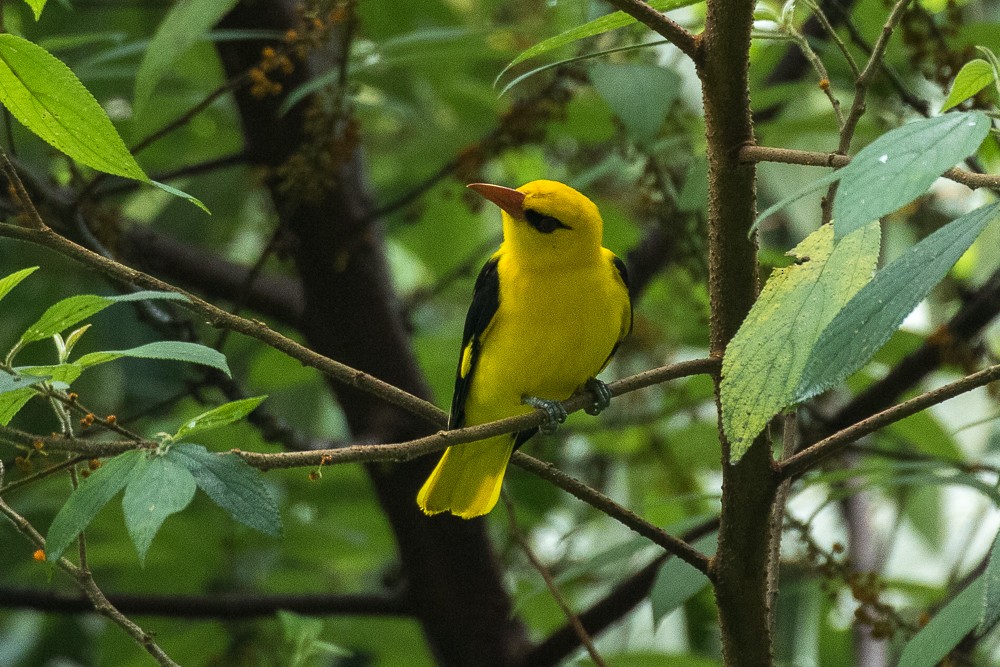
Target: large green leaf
pixel 677 582
pixel 598 26
pixel 13 280
pixel 764 361
pixel 12 402
pixel 224 414
pixel 47 98
pixel 900 165
pixel 173 350
pixel 946 629
pixel 86 501
pixel 9 382
pixel 71 310
pixel 232 484
pixel 875 312
pixel 639 95
pixel 183 26
pixel 158 488
pixel 973 77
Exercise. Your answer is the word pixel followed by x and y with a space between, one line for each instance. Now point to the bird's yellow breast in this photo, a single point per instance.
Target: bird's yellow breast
pixel 553 330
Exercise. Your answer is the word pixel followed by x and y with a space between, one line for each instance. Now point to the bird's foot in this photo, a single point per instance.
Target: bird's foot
pixel 554 409
pixel 602 396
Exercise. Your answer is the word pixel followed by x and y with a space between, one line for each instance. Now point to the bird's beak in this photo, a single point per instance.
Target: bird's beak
pixel 508 199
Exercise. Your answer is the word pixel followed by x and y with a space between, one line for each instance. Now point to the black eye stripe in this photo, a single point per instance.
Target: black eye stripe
pixel 546 224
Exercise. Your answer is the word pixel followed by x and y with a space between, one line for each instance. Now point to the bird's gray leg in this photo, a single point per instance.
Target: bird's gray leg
pixel 554 409
pixel 602 396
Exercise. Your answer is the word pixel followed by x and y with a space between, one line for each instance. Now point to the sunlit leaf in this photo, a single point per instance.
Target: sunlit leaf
pixel 224 414
pixel 764 361
pixel 973 77
pixel 71 310
pixel 174 350
pixel 47 98
pixel 13 280
pixel 598 26
pixel 875 312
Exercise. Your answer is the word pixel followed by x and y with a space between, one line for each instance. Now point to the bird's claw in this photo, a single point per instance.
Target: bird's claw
pixel 554 409
pixel 602 396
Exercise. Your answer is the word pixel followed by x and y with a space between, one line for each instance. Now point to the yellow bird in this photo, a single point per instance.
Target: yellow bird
pixel 548 310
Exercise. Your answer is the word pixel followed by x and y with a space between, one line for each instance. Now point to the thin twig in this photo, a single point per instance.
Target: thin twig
pixel 832 32
pixel 550 583
pixel 752 153
pixel 820 68
pixel 861 83
pixel 598 500
pixel 809 457
pixel 219 318
pixel 86 583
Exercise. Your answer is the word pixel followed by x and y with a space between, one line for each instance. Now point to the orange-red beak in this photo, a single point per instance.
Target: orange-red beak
pixel 508 199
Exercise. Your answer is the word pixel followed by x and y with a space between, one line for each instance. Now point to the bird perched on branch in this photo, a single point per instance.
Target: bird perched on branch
pixel 549 309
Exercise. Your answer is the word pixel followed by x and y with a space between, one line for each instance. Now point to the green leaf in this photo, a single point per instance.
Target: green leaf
pixel 90 496
pixel 47 98
pixel 973 77
pixel 157 489
pixel 224 414
pixel 302 634
pixel 598 26
pixel 12 281
pixel 875 312
pixel 12 402
pixel 946 629
pixel 232 484
pixel 56 372
pixel 71 310
pixel 165 349
pixel 990 614
pixel 764 361
pixel 900 165
pixel 36 7
pixel 9 383
pixel 639 95
pixel 183 26
pixel 677 582
pixel 180 193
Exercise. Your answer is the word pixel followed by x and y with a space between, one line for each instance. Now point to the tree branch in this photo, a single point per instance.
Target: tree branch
pixel 219 318
pixel 229 606
pixel 661 24
pixel 809 457
pixel 753 153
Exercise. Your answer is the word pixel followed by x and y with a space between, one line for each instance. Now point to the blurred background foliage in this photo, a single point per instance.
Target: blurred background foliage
pixel 625 128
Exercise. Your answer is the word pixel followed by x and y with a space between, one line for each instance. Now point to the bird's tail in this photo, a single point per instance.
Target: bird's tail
pixel 467 479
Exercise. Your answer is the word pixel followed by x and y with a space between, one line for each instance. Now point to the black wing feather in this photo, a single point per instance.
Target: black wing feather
pixel 485 301
pixel 623 274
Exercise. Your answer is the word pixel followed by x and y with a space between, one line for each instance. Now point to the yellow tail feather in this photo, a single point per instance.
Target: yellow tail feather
pixel 467 479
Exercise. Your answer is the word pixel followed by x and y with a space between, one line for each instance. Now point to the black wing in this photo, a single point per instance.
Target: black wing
pixel 485 301
pixel 623 274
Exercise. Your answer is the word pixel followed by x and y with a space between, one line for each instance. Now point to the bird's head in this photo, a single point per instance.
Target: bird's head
pixel 546 220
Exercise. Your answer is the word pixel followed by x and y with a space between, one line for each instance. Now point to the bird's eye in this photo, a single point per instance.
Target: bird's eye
pixel 546 224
